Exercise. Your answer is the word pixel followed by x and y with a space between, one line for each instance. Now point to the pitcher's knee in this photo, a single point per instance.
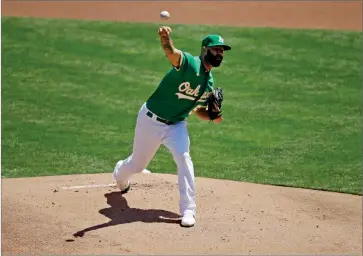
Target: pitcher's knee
pixel 182 155
pixel 182 158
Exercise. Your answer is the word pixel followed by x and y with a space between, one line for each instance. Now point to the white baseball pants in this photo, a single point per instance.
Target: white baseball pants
pixel 148 137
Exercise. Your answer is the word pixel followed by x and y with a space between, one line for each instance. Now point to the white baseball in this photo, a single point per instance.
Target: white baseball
pixel 165 15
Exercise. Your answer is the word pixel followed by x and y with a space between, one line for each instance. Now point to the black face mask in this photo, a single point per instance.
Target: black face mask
pixel 214 60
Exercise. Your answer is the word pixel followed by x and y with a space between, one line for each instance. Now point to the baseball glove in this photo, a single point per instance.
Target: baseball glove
pixel 215 104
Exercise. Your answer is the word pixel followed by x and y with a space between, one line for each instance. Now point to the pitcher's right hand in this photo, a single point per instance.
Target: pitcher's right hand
pixel 164 31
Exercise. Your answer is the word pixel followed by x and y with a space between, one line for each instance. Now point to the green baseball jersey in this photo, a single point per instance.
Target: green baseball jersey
pixel 182 89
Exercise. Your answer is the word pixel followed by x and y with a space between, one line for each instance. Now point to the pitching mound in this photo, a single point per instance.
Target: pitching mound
pixel 86 214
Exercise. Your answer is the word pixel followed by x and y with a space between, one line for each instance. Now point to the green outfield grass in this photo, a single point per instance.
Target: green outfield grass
pixel 292 111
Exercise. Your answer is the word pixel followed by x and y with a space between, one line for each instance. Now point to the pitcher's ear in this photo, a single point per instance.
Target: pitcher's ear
pixel 204 49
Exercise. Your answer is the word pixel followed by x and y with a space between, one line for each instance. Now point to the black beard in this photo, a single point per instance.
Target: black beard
pixel 214 60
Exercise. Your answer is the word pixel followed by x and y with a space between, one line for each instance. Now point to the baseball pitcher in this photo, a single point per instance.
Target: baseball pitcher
pixel 187 87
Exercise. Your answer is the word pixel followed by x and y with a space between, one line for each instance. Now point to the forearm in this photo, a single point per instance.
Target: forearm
pixel 202 114
pixel 167 45
pixel 171 52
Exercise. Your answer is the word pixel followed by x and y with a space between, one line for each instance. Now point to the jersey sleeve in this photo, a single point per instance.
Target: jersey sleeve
pixel 185 61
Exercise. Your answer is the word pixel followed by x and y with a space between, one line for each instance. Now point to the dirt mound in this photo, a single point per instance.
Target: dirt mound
pixel 87 214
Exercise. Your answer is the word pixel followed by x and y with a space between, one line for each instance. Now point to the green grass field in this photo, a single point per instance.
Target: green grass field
pixel 292 111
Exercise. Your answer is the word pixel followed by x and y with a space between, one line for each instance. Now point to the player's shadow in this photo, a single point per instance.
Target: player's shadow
pixel 121 213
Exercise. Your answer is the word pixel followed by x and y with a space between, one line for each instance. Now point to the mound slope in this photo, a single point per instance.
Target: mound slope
pixel 41 216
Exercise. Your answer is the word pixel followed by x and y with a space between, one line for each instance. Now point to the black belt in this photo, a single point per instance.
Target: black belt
pixel 160 119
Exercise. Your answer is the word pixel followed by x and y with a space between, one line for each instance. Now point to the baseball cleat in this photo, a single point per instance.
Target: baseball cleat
pixel 188 220
pixel 124 188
